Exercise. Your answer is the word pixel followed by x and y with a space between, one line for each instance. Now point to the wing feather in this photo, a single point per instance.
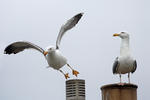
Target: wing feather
pixel 115 66
pixel 69 24
pixel 135 66
pixel 19 46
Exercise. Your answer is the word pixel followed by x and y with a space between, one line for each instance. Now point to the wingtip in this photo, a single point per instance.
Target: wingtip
pixel 5 52
pixel 8 50
pixel 79 15
pixel 82 13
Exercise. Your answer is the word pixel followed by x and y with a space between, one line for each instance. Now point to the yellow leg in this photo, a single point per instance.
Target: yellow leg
pixel 66 75
pixel 74 72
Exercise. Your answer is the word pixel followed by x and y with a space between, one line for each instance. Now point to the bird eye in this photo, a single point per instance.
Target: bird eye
pixel 123 32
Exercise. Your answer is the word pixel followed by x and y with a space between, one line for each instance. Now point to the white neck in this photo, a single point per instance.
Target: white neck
pixel 124 49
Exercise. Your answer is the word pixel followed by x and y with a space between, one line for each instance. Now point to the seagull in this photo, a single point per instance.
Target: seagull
pixel 125 63
pixel 52 54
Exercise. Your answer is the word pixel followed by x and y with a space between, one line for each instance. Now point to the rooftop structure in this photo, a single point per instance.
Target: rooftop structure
pixel 75 89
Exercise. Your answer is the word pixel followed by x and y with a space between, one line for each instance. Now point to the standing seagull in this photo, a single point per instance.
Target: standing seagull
pixel 124 63
pixel 52 55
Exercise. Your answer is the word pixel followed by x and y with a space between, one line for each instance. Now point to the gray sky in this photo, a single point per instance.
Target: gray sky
pixel 89 47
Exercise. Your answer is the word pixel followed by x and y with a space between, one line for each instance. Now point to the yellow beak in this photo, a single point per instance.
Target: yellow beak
pixel 116 34
pixel 45 53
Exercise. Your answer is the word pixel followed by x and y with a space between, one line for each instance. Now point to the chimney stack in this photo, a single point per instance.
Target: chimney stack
pixel 75 89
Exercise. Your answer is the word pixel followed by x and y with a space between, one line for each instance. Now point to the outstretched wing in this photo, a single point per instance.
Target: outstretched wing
pixel 134 66
pixel 19 46
pixel 115 66
pixel 70 24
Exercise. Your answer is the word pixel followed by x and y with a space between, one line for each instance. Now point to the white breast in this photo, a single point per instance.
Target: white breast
pixel 56 60
pixel 125 65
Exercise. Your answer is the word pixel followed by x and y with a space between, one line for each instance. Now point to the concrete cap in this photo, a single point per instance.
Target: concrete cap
pixel 116 85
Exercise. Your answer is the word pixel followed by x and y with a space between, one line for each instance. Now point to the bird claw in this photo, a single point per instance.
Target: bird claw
pixel 67 76
pixel 74 72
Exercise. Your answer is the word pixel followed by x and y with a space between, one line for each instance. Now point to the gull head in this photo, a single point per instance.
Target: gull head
pixel 49 49
pixel 123 35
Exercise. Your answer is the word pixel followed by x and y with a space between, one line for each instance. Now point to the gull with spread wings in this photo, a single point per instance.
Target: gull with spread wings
pixel 52 54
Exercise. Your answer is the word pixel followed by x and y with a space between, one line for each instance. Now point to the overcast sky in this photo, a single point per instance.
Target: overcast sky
pixel 89 47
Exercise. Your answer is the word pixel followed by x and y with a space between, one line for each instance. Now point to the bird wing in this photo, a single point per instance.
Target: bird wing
pixel 115 66
pixel 134 66
pixel 69 24
pixel 19 46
